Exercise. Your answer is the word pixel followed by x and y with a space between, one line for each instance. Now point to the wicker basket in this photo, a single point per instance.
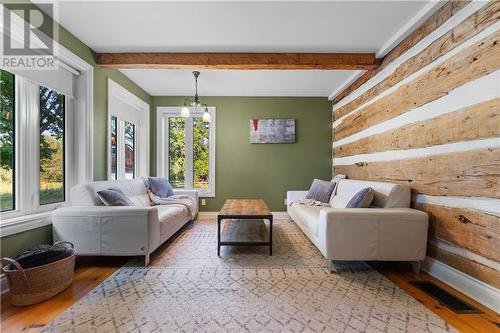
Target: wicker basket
pixel 36 284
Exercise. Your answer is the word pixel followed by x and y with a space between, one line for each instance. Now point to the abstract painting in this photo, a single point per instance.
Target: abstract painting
pixel 272 130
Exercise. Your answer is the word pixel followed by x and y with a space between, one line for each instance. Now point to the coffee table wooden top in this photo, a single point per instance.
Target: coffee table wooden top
pixel 245 208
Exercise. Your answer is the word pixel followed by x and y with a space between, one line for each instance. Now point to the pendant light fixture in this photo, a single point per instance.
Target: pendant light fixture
pixel 195 103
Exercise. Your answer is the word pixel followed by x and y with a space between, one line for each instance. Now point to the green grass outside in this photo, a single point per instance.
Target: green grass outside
pixel 47 196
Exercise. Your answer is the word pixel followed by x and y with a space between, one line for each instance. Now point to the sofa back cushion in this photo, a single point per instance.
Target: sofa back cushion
pixel 387 195
pixel 86 194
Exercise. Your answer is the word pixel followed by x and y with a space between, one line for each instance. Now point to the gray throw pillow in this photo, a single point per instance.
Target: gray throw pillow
pixel 160 187
pixel 321 190
pixel 114 197
pixel 362 199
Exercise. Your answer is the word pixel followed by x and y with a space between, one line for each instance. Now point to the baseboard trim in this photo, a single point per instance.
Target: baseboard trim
pixel 481 292
pixel 210 215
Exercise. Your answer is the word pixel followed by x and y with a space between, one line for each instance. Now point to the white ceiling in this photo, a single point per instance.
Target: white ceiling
pixel 179 82
pixel 251 26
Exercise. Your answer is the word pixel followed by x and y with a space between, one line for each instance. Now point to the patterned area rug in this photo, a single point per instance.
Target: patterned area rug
pixel 188 288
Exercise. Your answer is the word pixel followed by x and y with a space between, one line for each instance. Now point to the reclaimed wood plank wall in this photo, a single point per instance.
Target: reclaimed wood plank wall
pixel 429 118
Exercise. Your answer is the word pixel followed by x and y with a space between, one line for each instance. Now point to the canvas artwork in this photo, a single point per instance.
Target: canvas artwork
pixel 272 131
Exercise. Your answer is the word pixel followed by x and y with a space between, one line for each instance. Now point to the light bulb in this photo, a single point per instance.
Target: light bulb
pixel 206 116
pixel 185 112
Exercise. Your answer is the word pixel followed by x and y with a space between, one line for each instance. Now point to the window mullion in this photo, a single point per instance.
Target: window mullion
pixel 31 100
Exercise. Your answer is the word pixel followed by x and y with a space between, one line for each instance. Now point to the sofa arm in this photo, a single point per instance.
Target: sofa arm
pixel 104 230
pixel 192 193
pixel 396 234
pixel 292 196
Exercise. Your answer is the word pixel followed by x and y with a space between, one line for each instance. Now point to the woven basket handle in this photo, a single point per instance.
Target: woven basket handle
pixel 64 242
pixel 17 266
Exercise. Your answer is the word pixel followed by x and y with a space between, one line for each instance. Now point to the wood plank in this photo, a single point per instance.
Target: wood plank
pixel 352 87
pixel 471 26
pixel 429 25
pixel 401 275
pixel 240 61
pixel 476 231
pixel 33 317
pixel 475 61
pixel 469 173
pixel 479 271
pixel 478 121
pixel 245 207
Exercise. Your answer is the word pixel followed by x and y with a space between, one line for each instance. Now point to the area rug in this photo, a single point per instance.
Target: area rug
pixel 188 288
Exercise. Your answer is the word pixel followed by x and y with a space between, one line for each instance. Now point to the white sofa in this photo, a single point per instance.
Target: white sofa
pixel 387 231
pixel 96 229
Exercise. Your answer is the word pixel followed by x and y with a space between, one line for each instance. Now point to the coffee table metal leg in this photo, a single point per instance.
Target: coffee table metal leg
pixel 218 236
pixel 271 236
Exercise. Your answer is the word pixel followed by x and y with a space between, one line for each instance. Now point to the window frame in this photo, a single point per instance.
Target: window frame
pixel 163 114
pixel 79 164
pixel 14 152
pixel 27 151
pixel 138 115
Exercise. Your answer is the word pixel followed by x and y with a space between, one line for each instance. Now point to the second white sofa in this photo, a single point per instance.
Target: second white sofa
pixel 96 229
pixel 388 231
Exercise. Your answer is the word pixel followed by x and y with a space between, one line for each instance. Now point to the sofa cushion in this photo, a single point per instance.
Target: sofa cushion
pixel 307 215
pixel 171 214
pixel 86 194
pixel 114 197
pixel 321 190
pixel 160 187
pixel 387 195
pixel 362 199
pixel 141 200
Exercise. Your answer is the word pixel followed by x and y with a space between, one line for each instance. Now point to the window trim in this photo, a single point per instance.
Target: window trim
pixel 163 113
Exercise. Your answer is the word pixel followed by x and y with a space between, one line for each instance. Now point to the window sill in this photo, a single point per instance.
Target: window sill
pixel 24 223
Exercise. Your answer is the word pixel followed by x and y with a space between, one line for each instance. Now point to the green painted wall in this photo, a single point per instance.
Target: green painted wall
pixel 13 244
pixel 10 245
pixel 242 170
pixel 101 76
pixel 267 171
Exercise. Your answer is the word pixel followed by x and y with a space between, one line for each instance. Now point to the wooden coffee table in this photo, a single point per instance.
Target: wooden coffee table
pixel 244 225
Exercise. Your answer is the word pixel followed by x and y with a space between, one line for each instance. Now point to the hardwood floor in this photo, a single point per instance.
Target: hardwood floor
pixel 90 272
pixel 401 274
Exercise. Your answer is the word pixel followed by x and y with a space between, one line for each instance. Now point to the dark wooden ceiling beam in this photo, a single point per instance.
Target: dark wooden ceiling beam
pixel 241 61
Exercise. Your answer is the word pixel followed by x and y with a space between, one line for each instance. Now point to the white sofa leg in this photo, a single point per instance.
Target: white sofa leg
pixel 416 266
pixel 332 267
pixel 146 260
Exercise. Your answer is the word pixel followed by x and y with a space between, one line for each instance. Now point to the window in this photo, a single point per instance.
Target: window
pixel 129 150
pixel 186 150
pixel 128 138
pixel 122 152
pixel 201 143
pixel 114 152
pixel 46 134
pixel 176 151
pixel 52 152
pixel 7 141
pixel 35 121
